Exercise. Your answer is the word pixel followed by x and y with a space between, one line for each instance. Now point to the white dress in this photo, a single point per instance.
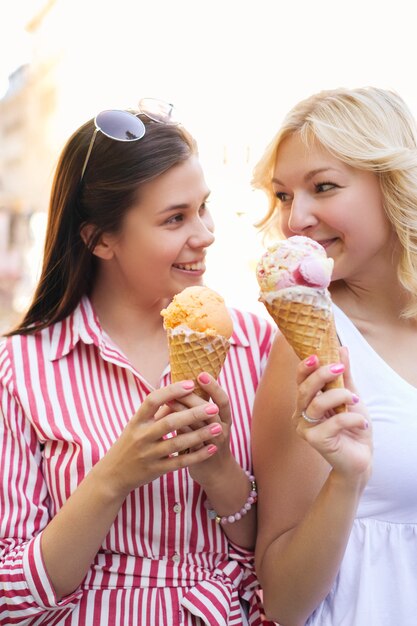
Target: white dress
pixel 377 581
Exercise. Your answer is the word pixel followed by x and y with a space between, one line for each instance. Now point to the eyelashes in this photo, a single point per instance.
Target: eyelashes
pixel 177 218
pixel 321 187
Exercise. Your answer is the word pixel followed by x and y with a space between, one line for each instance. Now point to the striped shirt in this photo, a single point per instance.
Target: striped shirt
pixel 66 393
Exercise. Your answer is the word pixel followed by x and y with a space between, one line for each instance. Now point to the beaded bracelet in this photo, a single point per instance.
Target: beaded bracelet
pixel 230 519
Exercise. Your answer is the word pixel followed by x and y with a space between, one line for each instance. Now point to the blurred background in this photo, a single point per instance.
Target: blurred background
pixel 232 68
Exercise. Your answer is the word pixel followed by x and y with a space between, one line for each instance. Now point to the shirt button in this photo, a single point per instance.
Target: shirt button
pixel 177 507
pixel 176 558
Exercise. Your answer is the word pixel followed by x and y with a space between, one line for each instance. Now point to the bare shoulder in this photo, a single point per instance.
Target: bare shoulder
pixel 289 472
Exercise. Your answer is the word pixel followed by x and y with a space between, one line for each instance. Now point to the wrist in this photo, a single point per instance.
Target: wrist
pixel 349 484
pixel 108 483
pixel 231 518
pixel 227 470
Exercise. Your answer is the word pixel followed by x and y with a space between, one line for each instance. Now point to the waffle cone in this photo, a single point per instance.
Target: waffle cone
pixel 305 318
pixel 193 353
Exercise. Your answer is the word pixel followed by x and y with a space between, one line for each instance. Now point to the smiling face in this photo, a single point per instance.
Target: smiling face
pixel 162 244
pixel 341 207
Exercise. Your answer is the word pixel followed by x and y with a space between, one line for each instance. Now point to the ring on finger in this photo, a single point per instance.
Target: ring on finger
pixel 310 420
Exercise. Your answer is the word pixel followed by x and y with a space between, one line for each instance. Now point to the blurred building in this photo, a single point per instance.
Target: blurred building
pixel 27 154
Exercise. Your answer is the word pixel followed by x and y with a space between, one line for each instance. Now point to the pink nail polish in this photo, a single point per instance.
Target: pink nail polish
pixel 312 360
pixel 355 398
pixel 366 424
pixel 211 449
pixel 215 429
pixel 188 384
pixel 337 368
pixel 211 409
pixel 204 378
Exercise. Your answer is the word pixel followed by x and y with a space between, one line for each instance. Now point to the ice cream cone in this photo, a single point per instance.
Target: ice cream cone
pixel 191 353
pixel 305 318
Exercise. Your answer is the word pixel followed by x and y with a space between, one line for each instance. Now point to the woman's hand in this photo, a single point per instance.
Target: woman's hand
pixel 218 416
pixel 343 439
pixel 147 449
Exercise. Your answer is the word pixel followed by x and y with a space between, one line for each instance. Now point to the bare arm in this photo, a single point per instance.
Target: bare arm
pixel 308 489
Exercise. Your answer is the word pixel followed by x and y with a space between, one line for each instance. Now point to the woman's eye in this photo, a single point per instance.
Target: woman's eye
pixel 282 196
pixel 175 219
pixel 320 187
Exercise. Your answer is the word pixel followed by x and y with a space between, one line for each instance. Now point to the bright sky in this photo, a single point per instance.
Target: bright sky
pixel 232 67
pixel 14 41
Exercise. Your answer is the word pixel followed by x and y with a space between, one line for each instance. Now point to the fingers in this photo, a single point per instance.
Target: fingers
pixel 207 437
pixel 175 393
pixel 217 394
pixel 195 417
pixel 347 375
pixel 173 419
pixel 332 427
pixel 315 406
pixel 307 367
pixel 192 457
pixel 320 406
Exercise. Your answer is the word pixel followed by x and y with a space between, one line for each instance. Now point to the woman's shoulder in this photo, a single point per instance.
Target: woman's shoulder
pixel 19 350
pixel 6 361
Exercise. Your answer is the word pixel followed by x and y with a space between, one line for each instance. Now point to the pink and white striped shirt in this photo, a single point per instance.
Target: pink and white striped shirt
pixel 66 394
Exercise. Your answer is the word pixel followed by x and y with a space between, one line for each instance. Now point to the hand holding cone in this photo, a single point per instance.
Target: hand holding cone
pixel 293 276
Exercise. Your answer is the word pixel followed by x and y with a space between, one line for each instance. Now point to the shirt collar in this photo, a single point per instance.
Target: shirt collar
pixel 83 325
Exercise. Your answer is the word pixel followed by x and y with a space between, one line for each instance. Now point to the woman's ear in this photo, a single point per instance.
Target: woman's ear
pixel 103 247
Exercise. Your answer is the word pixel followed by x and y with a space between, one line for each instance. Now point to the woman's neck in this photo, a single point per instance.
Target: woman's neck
pixel 136 328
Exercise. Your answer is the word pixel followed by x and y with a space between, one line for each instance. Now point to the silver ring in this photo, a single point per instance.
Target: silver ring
pixel 310 420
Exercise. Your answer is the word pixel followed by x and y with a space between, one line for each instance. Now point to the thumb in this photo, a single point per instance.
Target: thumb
pixel 347 374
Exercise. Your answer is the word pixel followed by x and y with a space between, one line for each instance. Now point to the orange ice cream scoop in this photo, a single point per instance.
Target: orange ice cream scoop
pixel 198 327
pixel 201 310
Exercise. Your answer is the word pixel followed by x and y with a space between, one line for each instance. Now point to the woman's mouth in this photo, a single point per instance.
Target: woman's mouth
pixel 327 242
pixel 190 267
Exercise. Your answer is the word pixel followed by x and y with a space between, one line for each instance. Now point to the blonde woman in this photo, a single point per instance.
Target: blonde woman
pixel 337 536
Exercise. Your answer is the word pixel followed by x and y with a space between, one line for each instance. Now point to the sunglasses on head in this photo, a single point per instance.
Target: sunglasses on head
pixel 125 126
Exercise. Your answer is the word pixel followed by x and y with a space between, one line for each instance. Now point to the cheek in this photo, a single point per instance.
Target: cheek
pixel 282 218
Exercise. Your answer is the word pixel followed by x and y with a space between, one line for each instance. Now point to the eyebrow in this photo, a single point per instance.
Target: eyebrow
pixel 309 175
pixel 181 207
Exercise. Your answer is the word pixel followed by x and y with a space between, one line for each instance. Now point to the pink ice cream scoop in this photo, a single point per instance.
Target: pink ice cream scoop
pixel 294 261
pixel 294 275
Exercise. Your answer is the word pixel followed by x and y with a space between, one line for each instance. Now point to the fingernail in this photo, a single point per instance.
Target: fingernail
pixel 211 409
pixel 204 378
pixel 365 424
pixel 355 398
pixel 211 449
pixel 188 384
pixel 215 429
pixel 312 360
pixel 337 368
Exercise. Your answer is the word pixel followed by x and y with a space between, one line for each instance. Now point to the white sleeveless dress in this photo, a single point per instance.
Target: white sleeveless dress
pixel 377 581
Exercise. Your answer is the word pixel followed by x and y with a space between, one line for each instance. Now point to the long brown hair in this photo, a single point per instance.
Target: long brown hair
pixel 110 186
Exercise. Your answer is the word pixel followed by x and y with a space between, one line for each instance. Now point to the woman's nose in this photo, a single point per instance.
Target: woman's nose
pixel 202 233
pixel 301 216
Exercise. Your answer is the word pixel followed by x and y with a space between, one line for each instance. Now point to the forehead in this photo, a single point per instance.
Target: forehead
pixel 183 185
pixel 294 147
pixel 295 158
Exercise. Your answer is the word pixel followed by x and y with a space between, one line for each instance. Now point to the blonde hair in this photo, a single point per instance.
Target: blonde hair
pixel 370 129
